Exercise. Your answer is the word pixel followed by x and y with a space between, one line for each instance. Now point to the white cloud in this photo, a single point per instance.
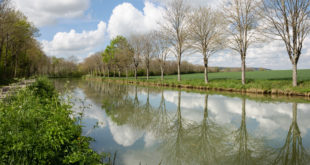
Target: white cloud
pixel 271 55
pixel 91 111
pixel 124 135
pixel 126 19
pixel 46 12
pixel 65 44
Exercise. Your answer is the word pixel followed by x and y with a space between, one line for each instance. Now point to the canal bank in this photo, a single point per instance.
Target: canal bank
pixel 231 87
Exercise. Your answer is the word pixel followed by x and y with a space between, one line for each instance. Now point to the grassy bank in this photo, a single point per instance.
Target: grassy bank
pixel 36 128
pixel 264 82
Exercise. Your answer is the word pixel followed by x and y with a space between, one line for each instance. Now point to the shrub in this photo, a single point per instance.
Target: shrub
pixel 36 132
pixel 43 88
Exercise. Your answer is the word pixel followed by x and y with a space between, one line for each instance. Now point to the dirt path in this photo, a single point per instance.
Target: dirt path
pixel 10 89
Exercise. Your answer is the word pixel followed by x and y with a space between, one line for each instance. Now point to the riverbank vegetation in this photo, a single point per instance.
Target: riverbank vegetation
pixel 263 82
pixel 37 128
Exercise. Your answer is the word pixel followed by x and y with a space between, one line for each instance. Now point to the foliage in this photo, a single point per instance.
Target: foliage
pixel 117 54
pixel 36 132
pixel 21 54
pixel 43 88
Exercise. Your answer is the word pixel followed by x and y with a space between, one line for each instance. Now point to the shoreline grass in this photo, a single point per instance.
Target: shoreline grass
pixel 262 82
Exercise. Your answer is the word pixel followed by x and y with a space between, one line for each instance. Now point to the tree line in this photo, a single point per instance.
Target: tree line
pixel 237 25
pixel 21 54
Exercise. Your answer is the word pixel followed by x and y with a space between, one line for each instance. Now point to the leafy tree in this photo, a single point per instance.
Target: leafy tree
pixel 108 56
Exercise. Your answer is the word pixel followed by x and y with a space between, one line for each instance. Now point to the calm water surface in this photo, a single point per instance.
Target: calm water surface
pixel 153 125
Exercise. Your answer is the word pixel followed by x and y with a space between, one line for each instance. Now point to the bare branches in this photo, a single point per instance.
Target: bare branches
pixel 290 21
pixel 136 43
pixel 206 33
pixel 242 18
pixel 175 28
pixel 161 50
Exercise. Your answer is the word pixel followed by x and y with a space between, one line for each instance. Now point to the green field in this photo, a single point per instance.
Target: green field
pixel 303 75
pixel 280 80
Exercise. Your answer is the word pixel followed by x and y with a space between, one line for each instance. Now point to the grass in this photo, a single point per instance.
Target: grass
pixel 277 81
pixel 253 75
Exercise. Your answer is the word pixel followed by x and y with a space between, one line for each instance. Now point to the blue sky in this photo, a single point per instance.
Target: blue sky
pixel 82 27
pixel 99 10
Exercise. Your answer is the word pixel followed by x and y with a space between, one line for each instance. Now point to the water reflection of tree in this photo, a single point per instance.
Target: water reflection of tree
pixel 161 119
pixel 176 146
pixel 209 144
pixel 247 149
pixel 128 110
pixel 293 152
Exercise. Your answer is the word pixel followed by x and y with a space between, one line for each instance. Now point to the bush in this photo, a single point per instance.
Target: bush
pixel 43 88
pixel 36 132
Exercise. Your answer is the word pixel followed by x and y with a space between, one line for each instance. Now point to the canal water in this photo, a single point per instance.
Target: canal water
pixel 150 125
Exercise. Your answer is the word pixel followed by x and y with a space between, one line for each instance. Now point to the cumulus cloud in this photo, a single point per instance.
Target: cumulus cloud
pixel 124 135
pixel 95 112
pixel 43 12
pixel 126 19
pixel 271 55
pixel 70 43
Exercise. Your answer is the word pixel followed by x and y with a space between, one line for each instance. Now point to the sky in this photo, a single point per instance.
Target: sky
pixel 82 27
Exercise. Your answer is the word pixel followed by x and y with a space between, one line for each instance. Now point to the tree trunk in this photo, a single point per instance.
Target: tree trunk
pixel 162 73
pixel 99 71
pixel 1 46
pixel 179 68
pixel 294 74
pixel 147 73
pixel 206 69
pixel 108 73
pixel 126 73
pixel 119 73
pixel 295 132
pixel 15 66
pixel 243 70
pixel 205 114
pixel 6 53
pixel 136 73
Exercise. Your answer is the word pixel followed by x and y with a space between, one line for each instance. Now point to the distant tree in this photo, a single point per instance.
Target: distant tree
pixel 175 28
pixel 107 57
pixel 290 21
pixel 148 50
pixel 206 33
pixel 21 54
pixel 136 44
pixel 4 7
pixel 161 50
pixel 122 53
pixel 242 19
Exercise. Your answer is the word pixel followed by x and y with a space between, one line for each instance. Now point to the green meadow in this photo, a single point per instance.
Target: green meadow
pixel 266 81
pixel 303 75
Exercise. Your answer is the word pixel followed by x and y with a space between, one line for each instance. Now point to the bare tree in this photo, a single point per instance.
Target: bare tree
pixel 290 21
pixel 175 27
pixel 161 50
pixel 206 33
pixel 136 44
pixel 148 49
pixel 242 18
